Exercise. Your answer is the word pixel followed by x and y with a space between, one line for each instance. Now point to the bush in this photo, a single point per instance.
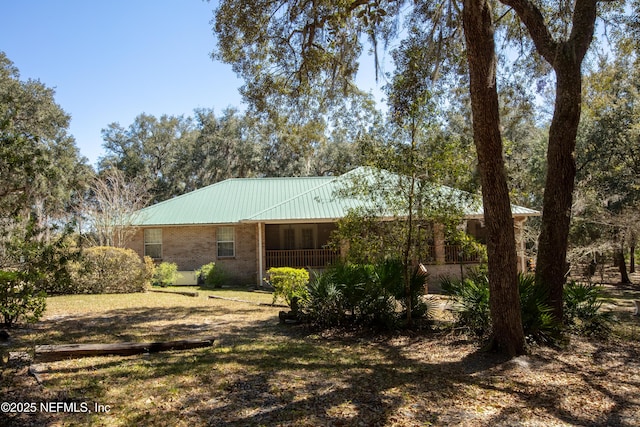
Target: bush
pixel 165 274
pixel 537 317
pixel 473 313
pixel 377 304
pixel 390 273
pixel 19 298
pixel 582 310
pixel 212 276
pixel 364 294
pixel 289 284
pixel 48 265
pixel 324 306
pixel 472 302
pixel 105 269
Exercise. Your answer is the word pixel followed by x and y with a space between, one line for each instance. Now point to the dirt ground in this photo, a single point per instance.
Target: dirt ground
pixel 261 373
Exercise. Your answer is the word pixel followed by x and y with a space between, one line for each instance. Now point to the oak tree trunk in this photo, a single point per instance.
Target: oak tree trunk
pixel 508 335
pixel 551 265
pixel 565 55
pixel 622 266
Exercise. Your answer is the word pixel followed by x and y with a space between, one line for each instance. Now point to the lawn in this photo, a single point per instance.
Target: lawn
pixel 259 372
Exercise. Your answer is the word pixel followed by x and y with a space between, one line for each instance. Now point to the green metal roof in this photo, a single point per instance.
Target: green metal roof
pixel 267 200
pixel 228 201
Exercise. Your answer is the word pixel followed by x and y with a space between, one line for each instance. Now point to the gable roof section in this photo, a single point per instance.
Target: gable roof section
pixel 269 200
pixel 227 202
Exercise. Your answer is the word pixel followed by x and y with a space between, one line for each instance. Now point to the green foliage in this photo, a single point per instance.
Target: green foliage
pixel 207 148
pixel 324 306
pixel 372 293
pixel 48 263
pixel 537 319
pixel 417 289
pixel 472 312
pixel 165 274
pixel 351 281
pixel 582 310
pixel 212 276
pixel 20 298
pixel 149 266
pixel 105 269
pixel 289 284
pixel 362 294
pixel 39 162
pixel 472 302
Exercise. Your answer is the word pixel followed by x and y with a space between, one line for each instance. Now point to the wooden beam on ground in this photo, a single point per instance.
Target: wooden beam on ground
pixel 185 293
pixel 51 353
pixel 264 304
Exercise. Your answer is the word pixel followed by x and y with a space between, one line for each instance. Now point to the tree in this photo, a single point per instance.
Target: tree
pixel 504 299
pixel 149 149
pixel 317 46
pixel 299 49
pixel 40 166
pixel 608 157
pixel 224 148
pixel 113 207
pixel 563 42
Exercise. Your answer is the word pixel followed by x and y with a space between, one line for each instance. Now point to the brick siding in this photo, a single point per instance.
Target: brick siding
pixel 193 246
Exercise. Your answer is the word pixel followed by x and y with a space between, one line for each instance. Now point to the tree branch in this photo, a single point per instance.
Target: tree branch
pixel 583 25
pixel 532 18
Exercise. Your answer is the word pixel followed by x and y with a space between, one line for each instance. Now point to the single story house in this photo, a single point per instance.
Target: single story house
pixel 248 225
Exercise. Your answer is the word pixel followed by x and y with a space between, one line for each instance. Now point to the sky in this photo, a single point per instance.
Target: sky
pixel 110 61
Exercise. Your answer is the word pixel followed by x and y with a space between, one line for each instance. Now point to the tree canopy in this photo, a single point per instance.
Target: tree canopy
pixel 41 170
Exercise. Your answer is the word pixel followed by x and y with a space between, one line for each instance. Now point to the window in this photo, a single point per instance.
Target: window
pixel 153 242
pixel 289 237
pixel 307 238
pixel 226 242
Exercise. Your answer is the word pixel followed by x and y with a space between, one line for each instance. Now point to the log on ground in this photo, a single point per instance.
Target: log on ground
pixel 51 353
pixel 185 293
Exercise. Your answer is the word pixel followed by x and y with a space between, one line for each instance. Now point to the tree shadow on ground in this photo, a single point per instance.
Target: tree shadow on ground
pixel 263 373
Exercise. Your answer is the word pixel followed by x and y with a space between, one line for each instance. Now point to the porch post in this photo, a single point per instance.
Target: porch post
pixel 438 241
pixel 260 255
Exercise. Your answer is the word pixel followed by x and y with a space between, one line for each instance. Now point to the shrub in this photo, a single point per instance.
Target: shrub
pixel 473 314
pixel 105 269
pixel 351 281
pixel 212 276
pixel 324 306
pixel 149 268
pixel 391 275
pixel 47 265
pixel 471 296
pixel 377 307
pixel 537 317
pixel 289 284
pixel 582 310
pixel 19 298
pixel 165 274
pixel 364 294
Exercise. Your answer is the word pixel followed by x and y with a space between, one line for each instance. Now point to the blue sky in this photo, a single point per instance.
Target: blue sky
pixel 110 61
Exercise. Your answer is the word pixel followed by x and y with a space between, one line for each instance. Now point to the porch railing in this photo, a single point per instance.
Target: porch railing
pixel 313 258
pixel 453 254
pixel 320 258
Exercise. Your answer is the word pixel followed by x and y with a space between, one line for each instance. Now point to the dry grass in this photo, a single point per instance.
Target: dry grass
pixel 261 373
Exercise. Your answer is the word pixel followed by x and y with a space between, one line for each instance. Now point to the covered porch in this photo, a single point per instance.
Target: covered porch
pixel 308 245
pixel 304 245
